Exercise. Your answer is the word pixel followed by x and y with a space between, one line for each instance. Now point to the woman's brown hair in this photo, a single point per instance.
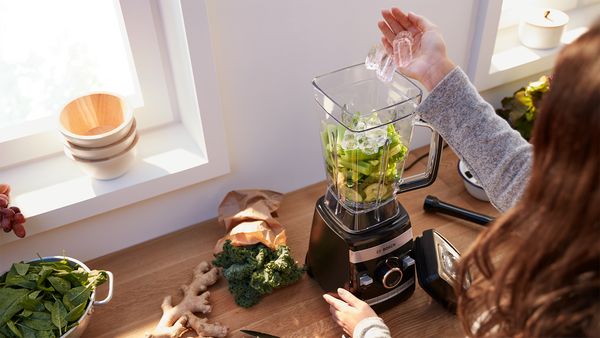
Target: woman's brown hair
pixel 536 270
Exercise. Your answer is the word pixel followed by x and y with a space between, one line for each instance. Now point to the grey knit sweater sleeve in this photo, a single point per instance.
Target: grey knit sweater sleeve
pixel 497 155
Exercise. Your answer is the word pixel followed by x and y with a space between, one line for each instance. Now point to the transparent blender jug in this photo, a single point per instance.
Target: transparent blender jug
pixel 366 130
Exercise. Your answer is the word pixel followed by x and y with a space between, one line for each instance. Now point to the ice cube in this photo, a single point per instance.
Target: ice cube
pixel 402 44
pixel 376 54
pixel 349 142
pixel 368 146
pixel 378 136
pixel 360 125
pixel 386 70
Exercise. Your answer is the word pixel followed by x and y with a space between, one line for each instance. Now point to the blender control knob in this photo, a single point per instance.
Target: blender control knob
pixel 391 278
pixel 390 272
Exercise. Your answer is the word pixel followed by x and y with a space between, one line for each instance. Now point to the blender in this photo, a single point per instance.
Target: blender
pixel 361 237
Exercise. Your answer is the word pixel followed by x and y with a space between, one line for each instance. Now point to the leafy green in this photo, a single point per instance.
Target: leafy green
pixel 44 299
pixel 256 270
pixel 520 110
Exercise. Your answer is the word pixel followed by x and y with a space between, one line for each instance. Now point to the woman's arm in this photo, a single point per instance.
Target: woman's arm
pixel 497 155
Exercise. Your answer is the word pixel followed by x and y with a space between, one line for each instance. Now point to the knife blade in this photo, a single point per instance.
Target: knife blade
pixel 258 334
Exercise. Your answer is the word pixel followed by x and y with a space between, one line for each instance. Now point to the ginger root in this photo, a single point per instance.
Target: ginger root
pixel 180 318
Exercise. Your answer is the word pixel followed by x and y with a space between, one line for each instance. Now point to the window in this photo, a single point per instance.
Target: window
pixel 64 49
pixel 499 57
pixel 184 141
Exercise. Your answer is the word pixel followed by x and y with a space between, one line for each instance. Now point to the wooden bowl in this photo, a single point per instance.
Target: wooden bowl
pixel 107 168
pixel 95 120
pixel 96 153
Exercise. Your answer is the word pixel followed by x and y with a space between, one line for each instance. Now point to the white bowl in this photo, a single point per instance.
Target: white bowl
pixel 108 168
pixel 96 153
pixel 96 120
pixel 471 183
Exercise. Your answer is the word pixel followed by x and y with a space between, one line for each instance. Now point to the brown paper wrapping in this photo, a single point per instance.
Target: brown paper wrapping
pixel 248 218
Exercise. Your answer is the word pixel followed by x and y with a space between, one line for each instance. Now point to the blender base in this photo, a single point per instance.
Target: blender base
pixel 375 265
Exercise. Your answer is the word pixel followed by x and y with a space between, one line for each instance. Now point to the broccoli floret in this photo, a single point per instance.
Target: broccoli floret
pixel 256 270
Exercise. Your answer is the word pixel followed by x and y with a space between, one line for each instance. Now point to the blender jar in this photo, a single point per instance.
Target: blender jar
pixel 366 129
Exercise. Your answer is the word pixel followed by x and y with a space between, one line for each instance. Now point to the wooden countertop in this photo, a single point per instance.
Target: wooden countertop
pixel 146 273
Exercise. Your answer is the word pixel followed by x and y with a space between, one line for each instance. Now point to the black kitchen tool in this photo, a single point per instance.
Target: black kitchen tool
pixel 258 334
pixel 436 267
pixel 433 204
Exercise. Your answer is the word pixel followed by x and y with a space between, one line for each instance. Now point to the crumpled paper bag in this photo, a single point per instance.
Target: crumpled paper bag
pixel 248 218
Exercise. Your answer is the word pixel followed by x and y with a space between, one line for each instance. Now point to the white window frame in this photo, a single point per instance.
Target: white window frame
pixel 34 139
pixel 192 148
pixel 492 28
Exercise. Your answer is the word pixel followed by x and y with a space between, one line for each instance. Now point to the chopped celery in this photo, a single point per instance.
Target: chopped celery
pixel 361 174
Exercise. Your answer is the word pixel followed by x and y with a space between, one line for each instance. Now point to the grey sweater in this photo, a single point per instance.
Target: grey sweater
pixel 497 155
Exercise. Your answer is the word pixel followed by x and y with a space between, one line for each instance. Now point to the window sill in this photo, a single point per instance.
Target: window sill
pixel 53 191
pixel 511 57
pixel 499 57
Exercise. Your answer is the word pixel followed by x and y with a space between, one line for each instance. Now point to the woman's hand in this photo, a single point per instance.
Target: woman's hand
pixel 348 311
pixel 430 63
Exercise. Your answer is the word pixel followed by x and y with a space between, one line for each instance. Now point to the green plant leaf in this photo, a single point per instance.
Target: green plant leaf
pixel 76 313
pixel 10 303
pixel 43 274
pixel 11 325
pixel 18 280
pixel 60 284
pixel 21 268
pixel 39 323
pixel 76 296
pixel 59 313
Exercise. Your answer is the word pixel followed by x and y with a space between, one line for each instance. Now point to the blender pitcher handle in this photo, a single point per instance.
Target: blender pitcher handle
pixel 427 177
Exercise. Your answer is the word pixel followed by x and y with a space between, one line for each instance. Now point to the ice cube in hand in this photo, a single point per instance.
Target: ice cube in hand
pixel 386 70
pixel 375 56
pixel 402 44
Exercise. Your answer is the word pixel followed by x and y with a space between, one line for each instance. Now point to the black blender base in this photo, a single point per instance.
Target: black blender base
pixel 392 302
pixel 357 262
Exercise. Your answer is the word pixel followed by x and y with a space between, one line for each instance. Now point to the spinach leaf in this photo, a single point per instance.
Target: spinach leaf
pixel 76 313
pixel 10 303
pixel 14 329
pixel 18 280
pixel 21 268
pixel 59 313
pixel 60 284
pixel 76 296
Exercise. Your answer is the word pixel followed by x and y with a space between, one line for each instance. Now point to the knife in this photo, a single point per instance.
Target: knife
pixel 258 334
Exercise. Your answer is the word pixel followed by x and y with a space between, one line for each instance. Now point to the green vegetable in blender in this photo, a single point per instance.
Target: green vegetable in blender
pixel 44 299
pixel 363 172
pixel 255 270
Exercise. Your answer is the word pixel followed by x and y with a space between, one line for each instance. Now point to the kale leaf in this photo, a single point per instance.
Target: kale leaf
pixel 255 270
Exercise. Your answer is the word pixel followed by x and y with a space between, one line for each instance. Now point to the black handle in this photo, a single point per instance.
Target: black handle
pixel 433 204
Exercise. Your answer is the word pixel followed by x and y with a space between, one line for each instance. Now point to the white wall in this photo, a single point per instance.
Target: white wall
pixel 266 53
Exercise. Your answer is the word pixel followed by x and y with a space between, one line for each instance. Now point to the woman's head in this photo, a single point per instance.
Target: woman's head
pixel 537 269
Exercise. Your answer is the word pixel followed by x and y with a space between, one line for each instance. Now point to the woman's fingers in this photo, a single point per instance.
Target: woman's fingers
pixel 394 25
pixel 387 45
pixel 338 304
pixel 386 31
pixel 420 22
pixel 349 298
pixel 401 18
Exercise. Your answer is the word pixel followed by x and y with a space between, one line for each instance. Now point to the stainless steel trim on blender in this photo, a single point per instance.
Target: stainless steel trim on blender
pixel 391 294
pixel 381 249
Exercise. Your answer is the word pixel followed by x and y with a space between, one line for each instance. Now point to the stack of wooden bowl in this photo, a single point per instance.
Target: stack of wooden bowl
pixel 99 135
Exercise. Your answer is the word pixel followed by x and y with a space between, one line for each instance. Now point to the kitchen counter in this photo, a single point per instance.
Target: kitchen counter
pixel 146 273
